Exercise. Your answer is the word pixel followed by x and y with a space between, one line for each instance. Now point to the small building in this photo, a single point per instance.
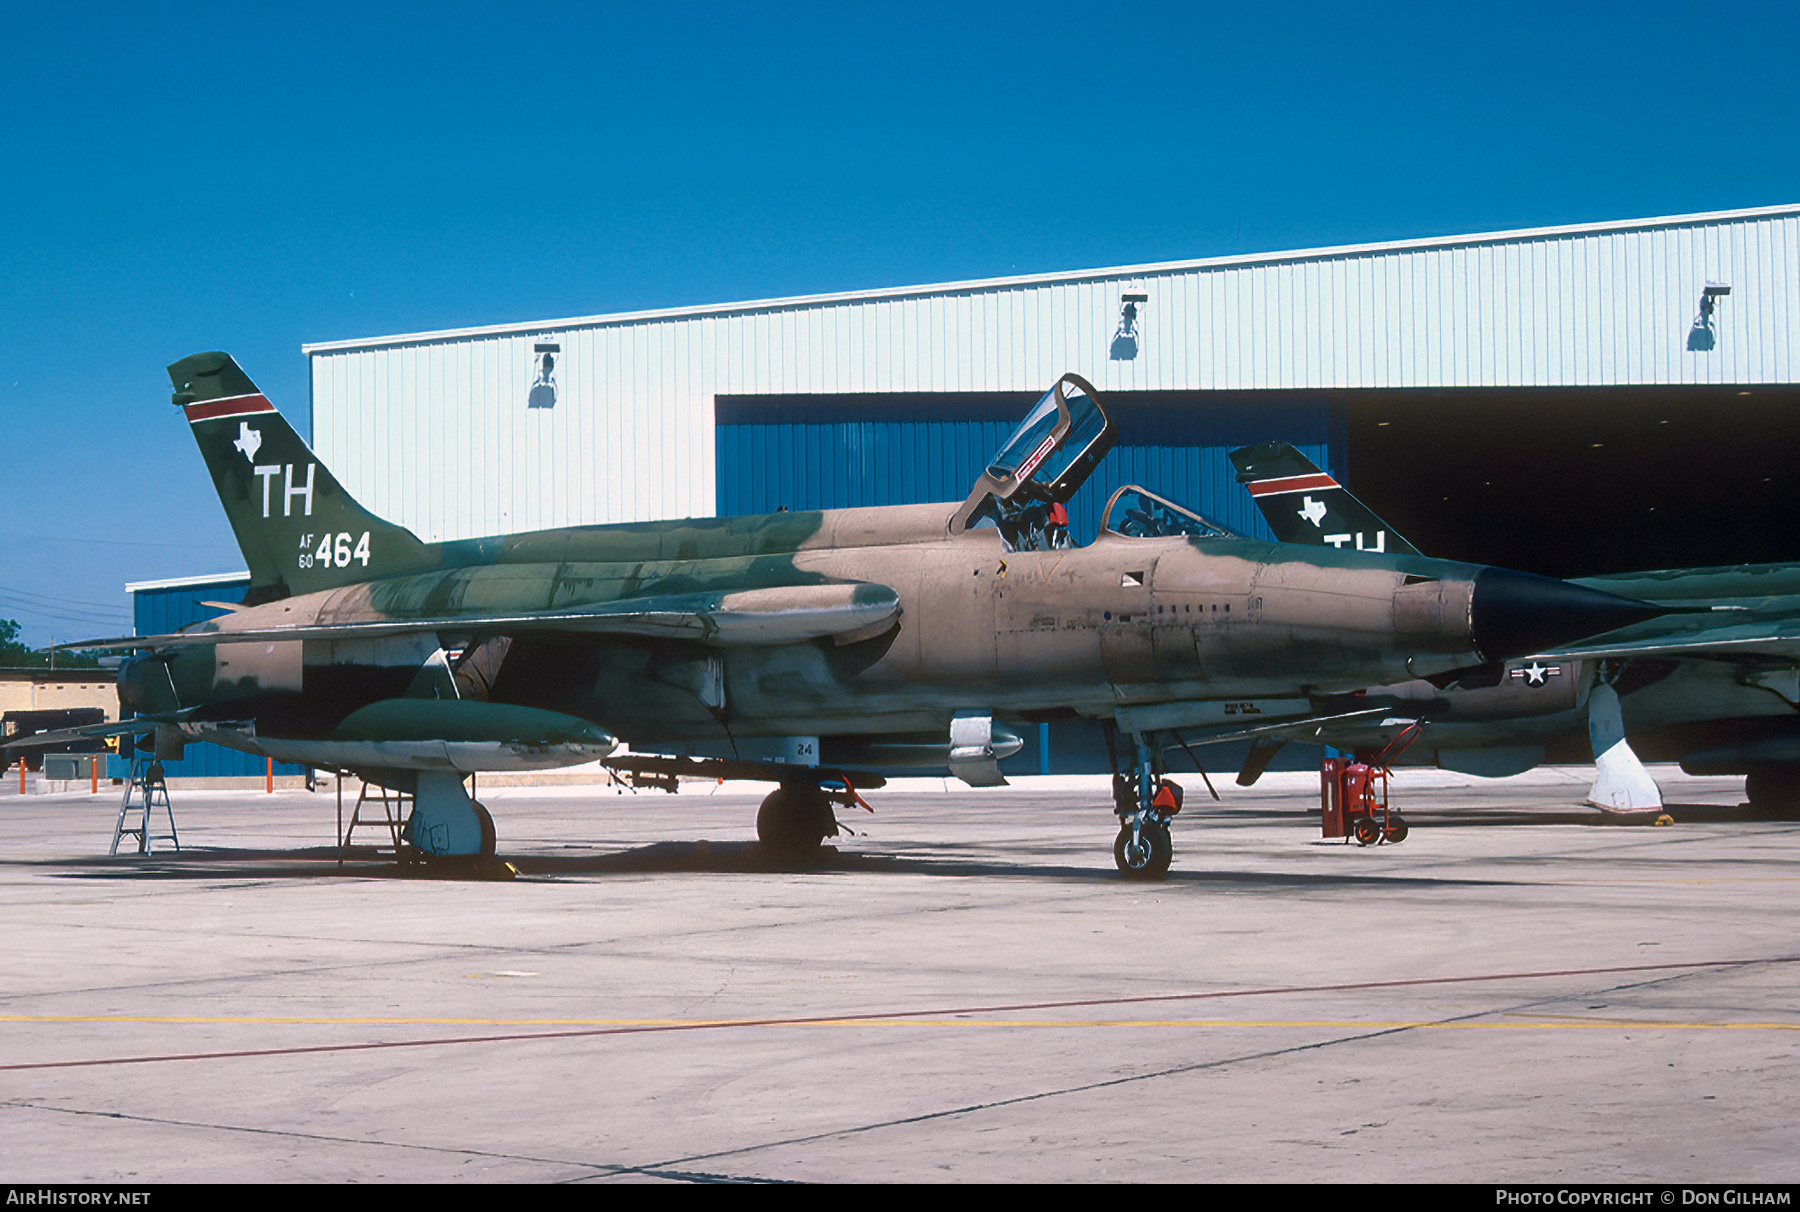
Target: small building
pixel 58 689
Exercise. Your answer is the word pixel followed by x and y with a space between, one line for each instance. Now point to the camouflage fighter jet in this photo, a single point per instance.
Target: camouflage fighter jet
pixel 1711 685
pixel 802 647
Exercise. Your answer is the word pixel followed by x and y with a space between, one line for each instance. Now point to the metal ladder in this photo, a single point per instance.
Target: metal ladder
pixel 396 806
pixel 145 792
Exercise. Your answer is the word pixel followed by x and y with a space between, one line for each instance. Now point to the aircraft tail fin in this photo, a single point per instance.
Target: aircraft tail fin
pixel 1305 505
pixel 300 532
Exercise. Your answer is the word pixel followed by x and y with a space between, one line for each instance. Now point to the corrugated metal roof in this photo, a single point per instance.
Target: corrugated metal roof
pixel 1156 269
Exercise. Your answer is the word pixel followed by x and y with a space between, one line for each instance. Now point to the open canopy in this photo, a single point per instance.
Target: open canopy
pixel 1045 461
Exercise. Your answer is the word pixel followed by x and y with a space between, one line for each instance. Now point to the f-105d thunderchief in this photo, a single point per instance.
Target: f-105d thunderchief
pixel 807 648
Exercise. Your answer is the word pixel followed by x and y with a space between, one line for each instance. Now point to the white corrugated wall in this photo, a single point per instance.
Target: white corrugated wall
pixel 432 431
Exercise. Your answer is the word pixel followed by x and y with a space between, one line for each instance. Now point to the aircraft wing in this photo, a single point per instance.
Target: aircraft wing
pixel 1311 728
pixel 779 615
pixel 1200 722
pixel 1690 637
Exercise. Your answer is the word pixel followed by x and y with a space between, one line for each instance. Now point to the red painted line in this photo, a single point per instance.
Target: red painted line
pixel 820 1019
pixel 1262 488
pixel 1038 456
pixel 236 406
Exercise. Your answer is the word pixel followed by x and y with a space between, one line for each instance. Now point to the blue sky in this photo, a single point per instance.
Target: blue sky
pixel 250 177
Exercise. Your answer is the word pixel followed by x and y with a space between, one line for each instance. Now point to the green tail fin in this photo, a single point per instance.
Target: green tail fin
pixel 300 532
pixel 1305 505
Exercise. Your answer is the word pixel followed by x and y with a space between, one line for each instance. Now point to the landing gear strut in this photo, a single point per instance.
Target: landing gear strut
pixel 1144 800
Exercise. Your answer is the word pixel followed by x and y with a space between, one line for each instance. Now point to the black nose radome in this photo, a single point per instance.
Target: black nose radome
pixel 1519 613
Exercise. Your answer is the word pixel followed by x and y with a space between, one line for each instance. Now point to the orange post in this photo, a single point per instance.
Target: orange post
pixel 269 779
pixel 21 774
pixel 94 775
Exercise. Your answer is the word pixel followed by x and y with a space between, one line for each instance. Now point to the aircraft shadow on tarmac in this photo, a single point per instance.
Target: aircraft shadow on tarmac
pixel 667 858
pixel 751 858
pixel 1692 814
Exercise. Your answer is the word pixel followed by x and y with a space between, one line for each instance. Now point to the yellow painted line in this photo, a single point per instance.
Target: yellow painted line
pixel 255 1020
pixel 1545 1024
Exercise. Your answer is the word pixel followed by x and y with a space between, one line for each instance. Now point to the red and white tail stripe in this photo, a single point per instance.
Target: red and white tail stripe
pixel 231 406
pixel 1308 483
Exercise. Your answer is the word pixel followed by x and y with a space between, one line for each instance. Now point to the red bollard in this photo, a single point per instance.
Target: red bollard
pixel 269 779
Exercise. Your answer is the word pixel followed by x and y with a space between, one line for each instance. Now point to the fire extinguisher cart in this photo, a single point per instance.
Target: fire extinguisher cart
pixel 1353 797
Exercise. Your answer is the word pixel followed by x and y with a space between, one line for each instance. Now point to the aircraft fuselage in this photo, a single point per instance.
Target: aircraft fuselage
pixel 1120 621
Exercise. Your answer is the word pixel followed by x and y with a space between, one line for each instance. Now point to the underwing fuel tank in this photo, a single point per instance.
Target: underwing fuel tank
pixel 441 734
pixel 465 720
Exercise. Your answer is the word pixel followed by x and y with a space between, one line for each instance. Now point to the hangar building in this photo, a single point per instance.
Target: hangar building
pixel 1571 400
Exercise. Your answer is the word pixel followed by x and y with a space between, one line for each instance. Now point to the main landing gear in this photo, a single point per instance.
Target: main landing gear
pixel 1145 800
pixel 795 819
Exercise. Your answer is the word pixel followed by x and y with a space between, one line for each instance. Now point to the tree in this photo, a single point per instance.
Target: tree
pixel 15 654
pixel 11 651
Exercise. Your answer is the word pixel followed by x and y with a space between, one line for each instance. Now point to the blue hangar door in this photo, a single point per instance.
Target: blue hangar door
pixel 841 451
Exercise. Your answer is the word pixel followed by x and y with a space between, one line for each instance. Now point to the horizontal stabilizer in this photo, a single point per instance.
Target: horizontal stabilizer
pixel 88 732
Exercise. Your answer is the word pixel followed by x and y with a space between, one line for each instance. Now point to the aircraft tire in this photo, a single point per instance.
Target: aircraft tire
pixel 1154 863
pixel 488 838
pixel 1774 790
pixel 794 819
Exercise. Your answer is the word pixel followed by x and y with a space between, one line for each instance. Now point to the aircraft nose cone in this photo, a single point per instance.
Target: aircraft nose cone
pixel 1519 613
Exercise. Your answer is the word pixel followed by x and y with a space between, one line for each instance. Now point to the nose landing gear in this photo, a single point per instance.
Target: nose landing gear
pixel 1144 852
pixel 1145 801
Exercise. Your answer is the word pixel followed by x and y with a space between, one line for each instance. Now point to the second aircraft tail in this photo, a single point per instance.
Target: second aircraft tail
pixel 1305 505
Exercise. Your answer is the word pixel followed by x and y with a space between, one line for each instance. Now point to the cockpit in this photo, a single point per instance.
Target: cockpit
pixel 1024 492
pixel 1137 513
